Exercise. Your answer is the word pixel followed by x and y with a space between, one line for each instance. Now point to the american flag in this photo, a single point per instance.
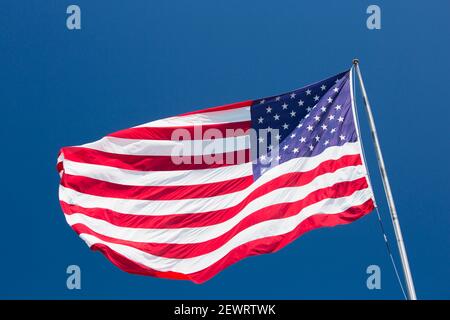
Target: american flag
pixel 186 196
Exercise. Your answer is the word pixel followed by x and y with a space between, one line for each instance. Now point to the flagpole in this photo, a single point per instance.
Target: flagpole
pixel 387 189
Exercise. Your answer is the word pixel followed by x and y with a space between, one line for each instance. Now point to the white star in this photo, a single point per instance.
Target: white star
pixel 295 150
pixel 260 120
pixel 262 101
pixel 278 158
pixel 340 119
pixel 276 117
pixel 300 103
pixel 277 99
pixel 293 135
pixel 317 118
pixel 269 109
pixel 308 109
pixel 310 128
pixel 293 113
pixel 326 142
pixel 285 126
pixel 323 109
pixel 261 139
pixel 335 89
pixel 324 126
pixel 333 130
pixel 316 97
pixel 338 107
pixel 342 137
pixel 293 95
pixel 323 87
pixel 269 129
pixel 263 157
pixel 337 80
pixel 284 106
pixel 330 100
pixel 308 92
pixel 331 117
pixel 278 137
pixel 317 138
pixel 285 147
pixel 270 147
pixel 302 139
pixel 311 147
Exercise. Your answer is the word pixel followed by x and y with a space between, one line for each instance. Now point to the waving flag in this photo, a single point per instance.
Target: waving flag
pixel 186 196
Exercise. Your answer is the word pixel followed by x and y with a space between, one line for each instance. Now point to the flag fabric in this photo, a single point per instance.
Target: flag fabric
pixel 186 196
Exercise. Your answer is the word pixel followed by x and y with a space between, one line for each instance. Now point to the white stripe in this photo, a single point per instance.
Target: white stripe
pixel 165 207
pixel 201 234
pixel 60 158
pixel 140 147
pixel 261 230
pixel 215 117
pixel 157 178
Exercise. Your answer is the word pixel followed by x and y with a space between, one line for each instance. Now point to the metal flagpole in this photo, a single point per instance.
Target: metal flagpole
pixel 387 189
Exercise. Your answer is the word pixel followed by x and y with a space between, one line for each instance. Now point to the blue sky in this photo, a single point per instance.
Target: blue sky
pixel 142 60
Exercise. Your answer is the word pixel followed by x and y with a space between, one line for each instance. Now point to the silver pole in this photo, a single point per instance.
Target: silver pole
pixel 387 189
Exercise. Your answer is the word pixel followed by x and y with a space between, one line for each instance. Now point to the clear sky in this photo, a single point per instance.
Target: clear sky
pixel 137 61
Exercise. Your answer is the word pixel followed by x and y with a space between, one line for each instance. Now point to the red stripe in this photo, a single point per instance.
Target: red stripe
pixel 217 216
pixel 134 267
pixel 195 132
pixel 150 163
pixel 114 190
pixel 231 106
pixel 256 247
pixel 59 166
pixel 271 212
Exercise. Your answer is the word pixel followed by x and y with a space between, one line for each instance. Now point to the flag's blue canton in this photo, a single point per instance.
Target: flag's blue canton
pixel 308 120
